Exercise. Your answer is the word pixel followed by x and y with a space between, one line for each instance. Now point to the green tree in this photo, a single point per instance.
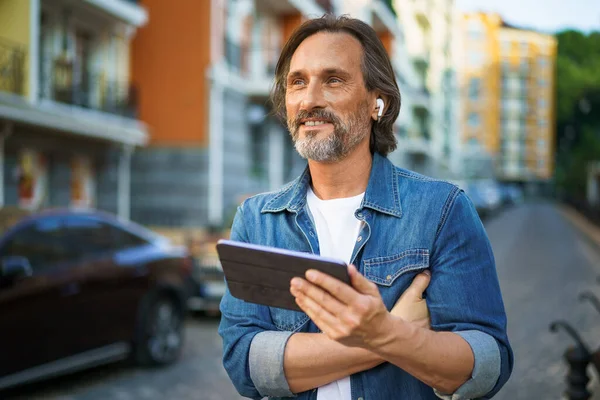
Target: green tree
pixel 577 108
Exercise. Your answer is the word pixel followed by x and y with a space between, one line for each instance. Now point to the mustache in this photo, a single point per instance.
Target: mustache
pixel 319 113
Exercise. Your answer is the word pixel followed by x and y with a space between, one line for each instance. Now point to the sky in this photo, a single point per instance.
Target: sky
pixel 544 15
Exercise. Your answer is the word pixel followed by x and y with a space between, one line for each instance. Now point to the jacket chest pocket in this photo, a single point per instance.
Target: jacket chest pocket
pixel 288 320
pixel 393 274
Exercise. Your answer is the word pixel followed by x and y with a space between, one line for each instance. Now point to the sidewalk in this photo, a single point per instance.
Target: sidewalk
pixel 591 230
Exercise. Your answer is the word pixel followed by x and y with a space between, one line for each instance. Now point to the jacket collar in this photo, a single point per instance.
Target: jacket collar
pixel 382 192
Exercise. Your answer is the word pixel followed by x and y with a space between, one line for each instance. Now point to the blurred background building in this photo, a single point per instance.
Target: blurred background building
pixel 160 112
pixel 67 108
pixel 214 138
pixel 430 31
pixel 508 100
pixel 205 71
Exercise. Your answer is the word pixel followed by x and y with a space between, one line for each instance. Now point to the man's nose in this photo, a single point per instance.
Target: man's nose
pixel 313 97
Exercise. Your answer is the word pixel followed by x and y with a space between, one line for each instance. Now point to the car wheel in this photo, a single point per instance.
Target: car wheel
pixel 160 337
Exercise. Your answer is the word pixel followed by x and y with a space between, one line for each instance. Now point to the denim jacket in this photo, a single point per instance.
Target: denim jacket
pixel 411 223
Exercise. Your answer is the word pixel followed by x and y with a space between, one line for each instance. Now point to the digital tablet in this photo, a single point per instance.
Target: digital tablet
pixel 262 275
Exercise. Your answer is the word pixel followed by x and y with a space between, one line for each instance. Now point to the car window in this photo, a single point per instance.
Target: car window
pixel 42 243
pixel 126 240
pixel 93 236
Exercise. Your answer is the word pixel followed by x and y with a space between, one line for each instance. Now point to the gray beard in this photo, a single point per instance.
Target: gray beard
pixel 332 148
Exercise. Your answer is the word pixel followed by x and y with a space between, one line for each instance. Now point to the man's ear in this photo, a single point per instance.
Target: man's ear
pixel 379 107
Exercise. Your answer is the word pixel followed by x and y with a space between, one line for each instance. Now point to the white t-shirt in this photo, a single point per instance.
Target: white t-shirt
pixel 337 230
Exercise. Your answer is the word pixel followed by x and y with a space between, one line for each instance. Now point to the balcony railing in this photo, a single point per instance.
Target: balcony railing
pixel 12 63
pixel 61 82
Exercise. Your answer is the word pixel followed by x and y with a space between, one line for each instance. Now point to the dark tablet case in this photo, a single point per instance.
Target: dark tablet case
pixel 262 275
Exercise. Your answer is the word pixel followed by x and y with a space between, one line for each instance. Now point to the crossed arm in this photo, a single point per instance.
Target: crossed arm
pixel 359 334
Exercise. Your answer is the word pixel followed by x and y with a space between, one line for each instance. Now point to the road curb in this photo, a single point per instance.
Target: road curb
pixel 583 225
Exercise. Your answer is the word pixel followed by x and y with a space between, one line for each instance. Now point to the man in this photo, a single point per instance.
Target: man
pixel 336 88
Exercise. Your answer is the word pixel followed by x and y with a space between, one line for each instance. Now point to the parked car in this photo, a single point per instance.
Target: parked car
pixel 476 197
pixel 208 279
pixel 512 194
pixel 82 288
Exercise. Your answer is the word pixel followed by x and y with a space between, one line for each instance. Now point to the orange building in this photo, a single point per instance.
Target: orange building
pixel 203 71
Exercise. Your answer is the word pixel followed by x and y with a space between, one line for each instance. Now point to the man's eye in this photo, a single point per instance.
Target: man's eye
pixel 297 82
pixel 334 80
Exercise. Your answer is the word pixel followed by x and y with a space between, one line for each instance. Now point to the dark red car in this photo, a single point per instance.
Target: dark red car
pixel 79 289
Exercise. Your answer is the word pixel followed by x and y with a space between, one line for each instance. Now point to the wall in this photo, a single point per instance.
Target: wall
pixel 14 31
pixel 170 57
pixel 169 187
pixel 290 23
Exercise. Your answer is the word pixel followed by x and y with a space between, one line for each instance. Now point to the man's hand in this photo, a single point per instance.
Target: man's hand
pixel 412 306
pixel 354 315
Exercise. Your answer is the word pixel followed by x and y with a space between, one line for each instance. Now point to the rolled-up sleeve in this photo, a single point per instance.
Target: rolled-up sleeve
pixel 252 348
pixel 486 370
pixel 266 364
pixel 464 297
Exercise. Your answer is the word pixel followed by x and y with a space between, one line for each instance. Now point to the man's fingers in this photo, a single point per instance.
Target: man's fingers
pixel 360 283
pixel 338 289
pixel 320 316
pixel 418 285
pixel 316 294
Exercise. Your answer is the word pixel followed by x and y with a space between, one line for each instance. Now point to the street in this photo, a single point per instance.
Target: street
pixel 543 263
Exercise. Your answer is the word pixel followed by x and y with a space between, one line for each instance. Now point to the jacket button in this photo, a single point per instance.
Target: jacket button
pixel 360 398
pixel 359 239
pixel 389 277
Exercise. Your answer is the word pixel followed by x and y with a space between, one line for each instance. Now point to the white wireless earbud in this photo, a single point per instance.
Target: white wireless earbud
pixel 380 105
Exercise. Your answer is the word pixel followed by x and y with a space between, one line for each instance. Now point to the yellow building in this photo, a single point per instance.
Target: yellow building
pixel 508 96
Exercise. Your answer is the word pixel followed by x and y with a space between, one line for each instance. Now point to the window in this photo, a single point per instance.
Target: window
pixel 524 66
pixel 95 237
pixel 542 82
pixel 475 29
pixel 542 123
pixel 81 67
pixel 524 48
pixel 42 243
pixel 473 142
pixel 541 144
pixel 542 62
pixel 474 88
pixel 258 155
pixel 542 103
pixel 474 120
pixel 475 59
pixel 506 46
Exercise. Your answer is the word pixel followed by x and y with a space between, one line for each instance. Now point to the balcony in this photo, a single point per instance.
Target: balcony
pixel 310 8
pixel 129 11
pixel 415 143
pixel 421 99
pixel 63 83
pixel 12 64
pixel 261 71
